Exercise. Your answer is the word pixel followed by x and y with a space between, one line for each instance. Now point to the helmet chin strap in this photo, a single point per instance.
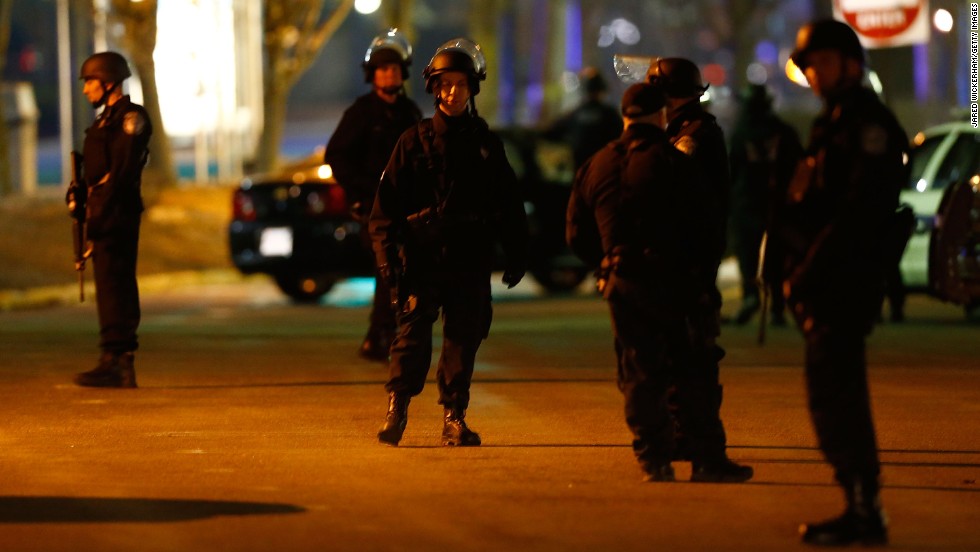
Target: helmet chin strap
pixel 106 94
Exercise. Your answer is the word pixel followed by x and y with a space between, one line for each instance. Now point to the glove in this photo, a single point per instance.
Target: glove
pixel 513 276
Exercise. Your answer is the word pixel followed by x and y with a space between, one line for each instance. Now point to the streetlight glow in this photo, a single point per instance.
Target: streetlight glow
pixel 366 7
pixel 943 20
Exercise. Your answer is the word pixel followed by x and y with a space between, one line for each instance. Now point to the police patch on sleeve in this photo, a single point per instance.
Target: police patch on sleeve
pixel 686 145
pixel 874 139
pixel 133 123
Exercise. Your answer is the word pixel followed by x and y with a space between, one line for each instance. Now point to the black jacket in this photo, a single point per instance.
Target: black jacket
pixel 362 143
pixel 639 194
pixel 115 151
pixel 446 197
pixel 842 205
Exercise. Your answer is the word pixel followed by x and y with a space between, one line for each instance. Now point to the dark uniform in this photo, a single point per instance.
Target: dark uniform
pixel 635 208
pixel 115 151
pixel 696 133
pixel 763 155
pixel 358 151
pixel 591 125
pixel 841 219
pixel 447 196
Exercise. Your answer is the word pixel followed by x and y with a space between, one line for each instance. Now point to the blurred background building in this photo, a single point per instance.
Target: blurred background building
pixel 209 63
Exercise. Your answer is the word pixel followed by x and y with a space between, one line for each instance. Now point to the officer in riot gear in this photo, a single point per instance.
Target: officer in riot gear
pixel 359 149
pixel 636 211
pixel 115 151
pixel 592 124
pixel 696 133
pixel 447 195
pixel 843 202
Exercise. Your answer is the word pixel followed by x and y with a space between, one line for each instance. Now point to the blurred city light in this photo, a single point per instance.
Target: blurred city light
pixel 943 20
pixel 620 29
pixel 367 6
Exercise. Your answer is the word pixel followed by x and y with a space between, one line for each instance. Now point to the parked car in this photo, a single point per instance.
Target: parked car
pixel 295 224
pixel 943 255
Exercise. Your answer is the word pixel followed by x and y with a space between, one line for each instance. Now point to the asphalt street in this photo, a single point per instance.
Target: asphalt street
pixel 254 428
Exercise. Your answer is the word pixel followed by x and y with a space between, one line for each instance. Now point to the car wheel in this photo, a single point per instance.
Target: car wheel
pixel 560 279
pixel 302 288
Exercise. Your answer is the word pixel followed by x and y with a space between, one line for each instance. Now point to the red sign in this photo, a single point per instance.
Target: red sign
pixel 884 23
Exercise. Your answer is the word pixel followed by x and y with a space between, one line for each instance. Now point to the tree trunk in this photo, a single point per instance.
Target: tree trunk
pixel 6 180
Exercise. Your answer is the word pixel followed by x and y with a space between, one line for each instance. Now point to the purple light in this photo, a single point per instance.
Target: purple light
pixel 767 52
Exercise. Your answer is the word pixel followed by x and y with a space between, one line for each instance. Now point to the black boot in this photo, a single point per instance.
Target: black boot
pixel 720 470
pixel 659 473
pixel 455 432
pixel 377 344
pixel 863 521
pixel 396 419
pixel 113 370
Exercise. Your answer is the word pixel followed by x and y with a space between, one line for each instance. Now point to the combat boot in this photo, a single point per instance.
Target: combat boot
pixel 113 370
pixel 659 473
pixel 396 419
pixel 863 521
pixel 721 470
pixel 454 430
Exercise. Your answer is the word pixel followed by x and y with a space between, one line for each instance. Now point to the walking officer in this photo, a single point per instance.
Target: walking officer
pixel 842 203
pixel 447 195
pixel 694 132
pixel 115 151
pixel 359 149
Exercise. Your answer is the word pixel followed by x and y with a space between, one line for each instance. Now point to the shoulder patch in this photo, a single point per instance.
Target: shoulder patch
pixel 686 145
pixel 133 123
pixel 874 139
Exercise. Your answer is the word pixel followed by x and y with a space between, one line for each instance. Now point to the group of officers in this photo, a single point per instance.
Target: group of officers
pixel 649 210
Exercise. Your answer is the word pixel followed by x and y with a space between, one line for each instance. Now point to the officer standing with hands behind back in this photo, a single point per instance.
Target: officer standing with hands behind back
pixel 447 195
pixel 115 151
pixel 696 133
pixel 842 215
pixel 359 149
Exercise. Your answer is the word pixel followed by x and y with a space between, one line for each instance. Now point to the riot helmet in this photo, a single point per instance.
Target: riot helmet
pixel 677 77
pixel 461 55
pixel 826 34
pixel 591 81
pixel 108 67
pixel 389 47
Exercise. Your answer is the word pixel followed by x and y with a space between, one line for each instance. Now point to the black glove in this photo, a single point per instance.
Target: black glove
pixel 513 276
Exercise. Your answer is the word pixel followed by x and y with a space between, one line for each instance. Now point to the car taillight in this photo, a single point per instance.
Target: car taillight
pixel 330 202
pixel 242 206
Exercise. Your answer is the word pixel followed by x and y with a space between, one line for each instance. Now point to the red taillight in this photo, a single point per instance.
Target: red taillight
pixel 330 202
pixel 242 207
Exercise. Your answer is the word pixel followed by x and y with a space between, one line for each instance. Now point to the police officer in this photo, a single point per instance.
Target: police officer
pixel 592 124
pixel 636 212
pixel 696 133
pixel 115 151
pixel 359 149
pixel 447 195
pixel 843 201
pixel 764 153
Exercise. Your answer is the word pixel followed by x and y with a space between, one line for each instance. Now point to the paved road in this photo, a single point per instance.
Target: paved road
pixel 254 429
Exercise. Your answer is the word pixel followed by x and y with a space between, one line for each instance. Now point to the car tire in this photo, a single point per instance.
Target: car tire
pixel 560 279
pixel 304 288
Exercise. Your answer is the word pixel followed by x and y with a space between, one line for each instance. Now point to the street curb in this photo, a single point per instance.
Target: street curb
pixel 53 296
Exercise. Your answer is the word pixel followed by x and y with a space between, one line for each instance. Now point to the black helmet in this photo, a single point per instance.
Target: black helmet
pixel 459 54
pixel 108 67
pixel 755 98
pixel 826 34
pixel 591 81
pixel 678 77
pixel 390 47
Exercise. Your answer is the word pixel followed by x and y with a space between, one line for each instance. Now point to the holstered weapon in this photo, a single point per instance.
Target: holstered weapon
pixel 760 281
pixel 77 198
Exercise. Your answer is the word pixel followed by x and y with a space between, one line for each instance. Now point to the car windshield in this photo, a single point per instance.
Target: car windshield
pixel 921 155
pixel 962 161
